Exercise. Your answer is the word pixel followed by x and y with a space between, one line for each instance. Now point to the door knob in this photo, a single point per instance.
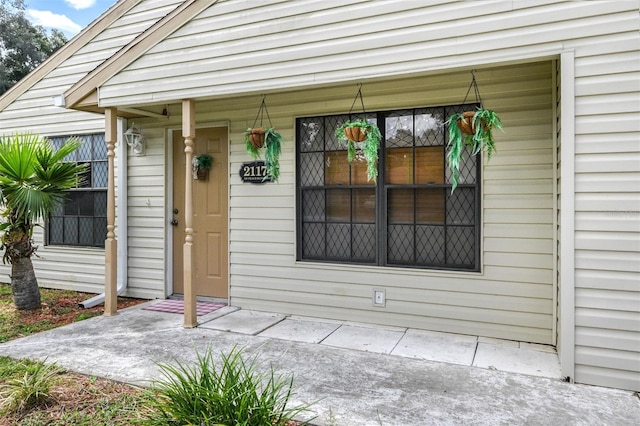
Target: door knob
pixel 174 222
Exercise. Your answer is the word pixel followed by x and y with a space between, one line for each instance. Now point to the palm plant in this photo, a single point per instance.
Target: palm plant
pixel 33 178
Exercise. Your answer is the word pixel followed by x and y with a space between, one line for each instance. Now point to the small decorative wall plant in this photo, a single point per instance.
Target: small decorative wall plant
pixel 200 166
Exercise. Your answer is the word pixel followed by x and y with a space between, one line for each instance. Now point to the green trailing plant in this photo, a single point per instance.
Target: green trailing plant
pixel 365 137
pixel 233 393
pixel 204 161
pixel 258 140
pixel 31 389
pixel 472 130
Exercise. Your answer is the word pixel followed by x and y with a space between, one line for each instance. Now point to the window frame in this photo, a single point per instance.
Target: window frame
pixel 87 189
pixel 382 197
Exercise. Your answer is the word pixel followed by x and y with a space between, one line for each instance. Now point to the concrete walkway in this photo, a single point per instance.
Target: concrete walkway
pixel 356 374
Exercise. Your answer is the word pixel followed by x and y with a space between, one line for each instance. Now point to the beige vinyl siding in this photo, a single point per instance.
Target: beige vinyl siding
pixel 607 208
pixel 272 47
pixel 146 215
pixel 74 267
pixel 511 298
pixel 237 46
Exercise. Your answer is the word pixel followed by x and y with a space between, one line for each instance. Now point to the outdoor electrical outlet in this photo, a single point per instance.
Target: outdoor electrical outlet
pixel 379 298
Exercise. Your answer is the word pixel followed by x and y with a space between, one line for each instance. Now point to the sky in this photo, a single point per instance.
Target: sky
pixel 68 16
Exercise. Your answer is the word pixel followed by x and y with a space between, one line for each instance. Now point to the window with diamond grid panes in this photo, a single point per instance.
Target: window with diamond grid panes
pixel 409 218
pixel 82 219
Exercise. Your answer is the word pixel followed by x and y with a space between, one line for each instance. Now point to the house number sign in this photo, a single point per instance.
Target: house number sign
pixel 254 172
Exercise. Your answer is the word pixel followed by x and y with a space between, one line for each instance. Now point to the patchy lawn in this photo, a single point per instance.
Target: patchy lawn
pixel 75 399
pixel 59 307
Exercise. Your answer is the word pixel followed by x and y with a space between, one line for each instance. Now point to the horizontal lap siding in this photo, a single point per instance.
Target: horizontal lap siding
pixel 238 46
pixel 607 204
pixel 72 267
pixel 511 299
pixel 147 206
pixel 271 46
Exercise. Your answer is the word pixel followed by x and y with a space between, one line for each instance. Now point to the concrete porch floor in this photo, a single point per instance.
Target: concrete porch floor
pixel 495 354
pixel 352 374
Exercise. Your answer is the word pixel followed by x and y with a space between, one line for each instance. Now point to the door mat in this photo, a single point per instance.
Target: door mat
pixel 176 306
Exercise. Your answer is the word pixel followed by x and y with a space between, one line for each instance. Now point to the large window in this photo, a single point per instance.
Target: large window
pixel 82 219
pixel 409 217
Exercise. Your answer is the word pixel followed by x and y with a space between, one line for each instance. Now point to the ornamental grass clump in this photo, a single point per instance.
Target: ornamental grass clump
pixel 29 390
pixel 233 393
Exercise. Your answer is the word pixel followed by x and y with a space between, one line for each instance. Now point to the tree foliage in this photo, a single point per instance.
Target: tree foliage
pixel 23 46
pixel 33 179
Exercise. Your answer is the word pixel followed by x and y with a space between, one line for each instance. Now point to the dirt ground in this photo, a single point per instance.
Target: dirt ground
pixel 75 399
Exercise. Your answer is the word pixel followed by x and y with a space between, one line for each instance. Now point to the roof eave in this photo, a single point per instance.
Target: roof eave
pixel 72 46
pixel 75 96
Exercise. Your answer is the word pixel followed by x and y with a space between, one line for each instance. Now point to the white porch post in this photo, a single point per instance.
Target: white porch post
pixel 189 133
pixel 111 244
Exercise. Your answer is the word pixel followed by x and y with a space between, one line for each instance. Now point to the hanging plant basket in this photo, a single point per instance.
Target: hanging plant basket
pixel 467 123
pixel 355 133
pixel 362 136
pixel 472 129
pixel 256 136
pixel 259 140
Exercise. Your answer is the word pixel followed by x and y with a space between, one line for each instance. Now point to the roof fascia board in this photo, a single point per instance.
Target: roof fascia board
pixel 65 52
pixel 135 49
pixel 90 100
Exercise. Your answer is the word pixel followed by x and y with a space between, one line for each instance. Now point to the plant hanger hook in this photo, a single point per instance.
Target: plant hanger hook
pixel 358 95
pixel 261 112
pixel 476 90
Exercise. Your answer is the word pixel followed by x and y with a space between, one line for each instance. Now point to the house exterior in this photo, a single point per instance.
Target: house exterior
pixel 541 243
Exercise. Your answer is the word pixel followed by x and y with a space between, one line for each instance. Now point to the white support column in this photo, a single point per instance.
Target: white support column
pixel 189 134
pixel 111 244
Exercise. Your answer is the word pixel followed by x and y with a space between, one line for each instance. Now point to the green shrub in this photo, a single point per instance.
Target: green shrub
pixel 234 394
pixel 31 389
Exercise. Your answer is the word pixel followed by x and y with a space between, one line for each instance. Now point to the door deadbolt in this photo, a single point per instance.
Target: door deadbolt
pixel 176 211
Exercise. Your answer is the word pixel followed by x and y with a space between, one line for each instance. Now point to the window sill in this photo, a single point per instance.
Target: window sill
pixel 71 248
pixel 406 271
